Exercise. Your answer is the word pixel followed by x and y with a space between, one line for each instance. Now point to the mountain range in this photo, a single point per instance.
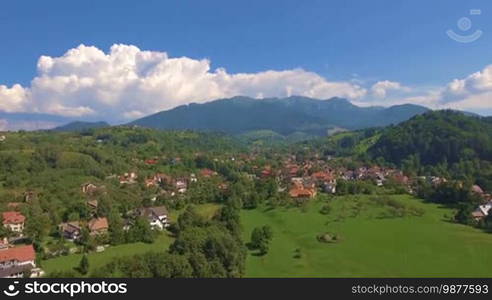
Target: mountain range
pixel 284 116
pixel 280 117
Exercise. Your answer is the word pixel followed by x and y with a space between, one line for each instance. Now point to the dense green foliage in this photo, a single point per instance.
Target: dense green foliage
pixel 260 239
pixel 440 143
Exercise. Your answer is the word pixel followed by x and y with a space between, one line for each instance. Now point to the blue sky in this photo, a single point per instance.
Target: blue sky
pixel 348 41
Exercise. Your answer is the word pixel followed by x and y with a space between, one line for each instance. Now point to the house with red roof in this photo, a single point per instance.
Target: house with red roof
pixel 266 172
pixel 207 173
pixel 14 221
pixel 98 226
pixel 300 192
pixel 16 261
pixel 151 161
pixel 323 177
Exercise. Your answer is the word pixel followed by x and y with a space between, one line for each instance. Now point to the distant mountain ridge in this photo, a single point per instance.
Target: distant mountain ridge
pixel 30 121
pixel 80 125
pixel 282 115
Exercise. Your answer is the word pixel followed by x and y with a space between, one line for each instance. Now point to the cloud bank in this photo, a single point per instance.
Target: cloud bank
pixel 127 83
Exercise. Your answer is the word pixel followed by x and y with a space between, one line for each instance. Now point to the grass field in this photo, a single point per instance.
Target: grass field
pixel 411 246
pixel 207 210
pixel 96 260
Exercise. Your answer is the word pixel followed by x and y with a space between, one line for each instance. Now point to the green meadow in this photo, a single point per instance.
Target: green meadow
pixel 97 260
pixel 376 238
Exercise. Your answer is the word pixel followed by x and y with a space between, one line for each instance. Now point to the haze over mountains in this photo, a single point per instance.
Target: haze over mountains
pixel 30 121
pixel 239 115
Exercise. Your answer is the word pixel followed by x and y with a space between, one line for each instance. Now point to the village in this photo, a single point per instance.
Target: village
pixel 296 180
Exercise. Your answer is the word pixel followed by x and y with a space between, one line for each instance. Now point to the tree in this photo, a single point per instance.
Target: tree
pixel 84 265
pixel 141 231
pixel 229 216
pixel 86 240
pixel 464 214
pixel 211 250
pixel 38 223
pixel 104 206
pixel 190 218
pixel 256 238
pixel 116 232
pixel 260 239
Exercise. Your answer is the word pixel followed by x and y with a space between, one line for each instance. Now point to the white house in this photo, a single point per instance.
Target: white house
pixel 157 216
pixel 14 221
pixel 482 211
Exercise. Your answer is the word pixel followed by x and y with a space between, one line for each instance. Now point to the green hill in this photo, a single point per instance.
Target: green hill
pixel 436 137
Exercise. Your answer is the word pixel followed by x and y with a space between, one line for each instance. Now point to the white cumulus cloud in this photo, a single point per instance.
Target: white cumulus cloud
pixel 472 92
pixel 381 88
pixel 128 83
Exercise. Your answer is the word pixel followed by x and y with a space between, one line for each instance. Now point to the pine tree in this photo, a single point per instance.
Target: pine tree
pixel 84 265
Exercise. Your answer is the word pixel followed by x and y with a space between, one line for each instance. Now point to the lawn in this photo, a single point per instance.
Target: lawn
pixel 410 246
pixel 96 260
pixel 206 210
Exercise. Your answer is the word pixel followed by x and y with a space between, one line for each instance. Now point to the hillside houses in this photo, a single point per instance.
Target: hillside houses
pixel 304 179
pixel 88 188
pixel 207 173
pixel 157 216
pixel 151 162
pixel 302 187
pixel 165 182
pixel 128 178
pixel 73 230
pixel 98 226
pixel 181 185
pixel 301 192
pixel 14 221
pixel 158 180
pixel 484 209
pixel 70 230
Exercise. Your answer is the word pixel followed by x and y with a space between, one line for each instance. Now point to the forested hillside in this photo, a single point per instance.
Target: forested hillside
pixel 448 143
